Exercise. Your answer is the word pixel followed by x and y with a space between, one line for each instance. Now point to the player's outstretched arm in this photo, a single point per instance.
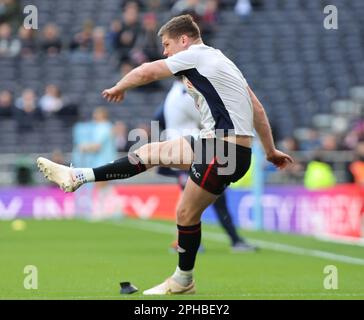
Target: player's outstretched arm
pixel 144 74
pixel 261 125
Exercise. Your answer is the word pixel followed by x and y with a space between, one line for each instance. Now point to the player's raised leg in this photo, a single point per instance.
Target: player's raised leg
pixel 193 203
pixel 176 154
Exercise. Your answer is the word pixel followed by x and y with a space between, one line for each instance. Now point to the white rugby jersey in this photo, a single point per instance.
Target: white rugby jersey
pixel 218 88
pixel 180 113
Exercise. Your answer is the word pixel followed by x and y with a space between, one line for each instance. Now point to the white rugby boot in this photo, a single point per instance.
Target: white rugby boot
pixel 171 286
pixel 67 178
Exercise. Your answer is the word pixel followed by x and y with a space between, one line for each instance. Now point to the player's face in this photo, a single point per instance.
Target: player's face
pixel 173 46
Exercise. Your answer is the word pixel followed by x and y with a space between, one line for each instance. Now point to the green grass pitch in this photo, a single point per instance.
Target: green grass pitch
pixel 77 259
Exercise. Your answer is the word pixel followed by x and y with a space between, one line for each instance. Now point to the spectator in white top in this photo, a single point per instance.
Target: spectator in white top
pixel 51 102
pixel 9 47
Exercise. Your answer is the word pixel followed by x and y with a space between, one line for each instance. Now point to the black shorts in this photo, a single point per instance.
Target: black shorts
pixel 217 163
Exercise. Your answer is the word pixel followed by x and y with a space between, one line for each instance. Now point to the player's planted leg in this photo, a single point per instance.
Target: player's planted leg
pixel 193 203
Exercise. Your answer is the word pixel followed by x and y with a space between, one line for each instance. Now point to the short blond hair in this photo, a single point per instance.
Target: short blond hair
pixel 179 26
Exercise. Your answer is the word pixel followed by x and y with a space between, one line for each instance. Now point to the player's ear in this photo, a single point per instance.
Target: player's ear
pixel 184 40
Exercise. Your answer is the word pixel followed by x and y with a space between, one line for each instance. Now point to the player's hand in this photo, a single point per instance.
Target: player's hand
pixel 279 159
pixel 113 94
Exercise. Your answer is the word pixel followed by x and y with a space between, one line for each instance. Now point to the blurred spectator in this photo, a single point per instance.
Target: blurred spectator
pixel 319 175
pixel 81 44
pixel 210 19
pixel 9 46
pixel 10 12
pixel 51 102
pixel 289 144
pixel 312 142
pixel 194 7
pixel 243 8
pixel 27 111
pixel 121 136
pixel 295 170
pixel 155 5
pixel 205 14
pixel 28 42
pixel 355 135
pixel 329 143
pixel 112 36
pixel 100 147
pixel 129 30
pixel 99 47
pixel 51 42
pixel 102 143
pixel 319 172
pixel 27 102
pixel 83 40
pixel 147 47
pixel 6 104
pixel 356 168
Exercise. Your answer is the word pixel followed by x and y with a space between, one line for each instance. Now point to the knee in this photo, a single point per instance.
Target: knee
pixel 141 152
pixel 146 155
pixel 187 216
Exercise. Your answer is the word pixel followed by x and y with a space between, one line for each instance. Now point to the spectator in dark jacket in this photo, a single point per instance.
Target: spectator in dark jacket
pixel 6 104
pixel 51 42
pixel 27 111
pixel 129 30
pixel 147 47
pixel 28 42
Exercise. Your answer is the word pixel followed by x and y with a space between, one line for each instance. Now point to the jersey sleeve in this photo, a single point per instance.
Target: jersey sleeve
pixel 181 61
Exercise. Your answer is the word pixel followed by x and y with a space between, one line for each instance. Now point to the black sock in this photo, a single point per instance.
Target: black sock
pixel 120 169
pixel 225 219
pixel 189 239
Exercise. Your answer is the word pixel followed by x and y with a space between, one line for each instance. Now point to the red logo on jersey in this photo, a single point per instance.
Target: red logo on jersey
pixel 189 85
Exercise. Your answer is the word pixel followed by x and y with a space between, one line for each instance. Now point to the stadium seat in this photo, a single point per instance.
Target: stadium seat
pixel 296 67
